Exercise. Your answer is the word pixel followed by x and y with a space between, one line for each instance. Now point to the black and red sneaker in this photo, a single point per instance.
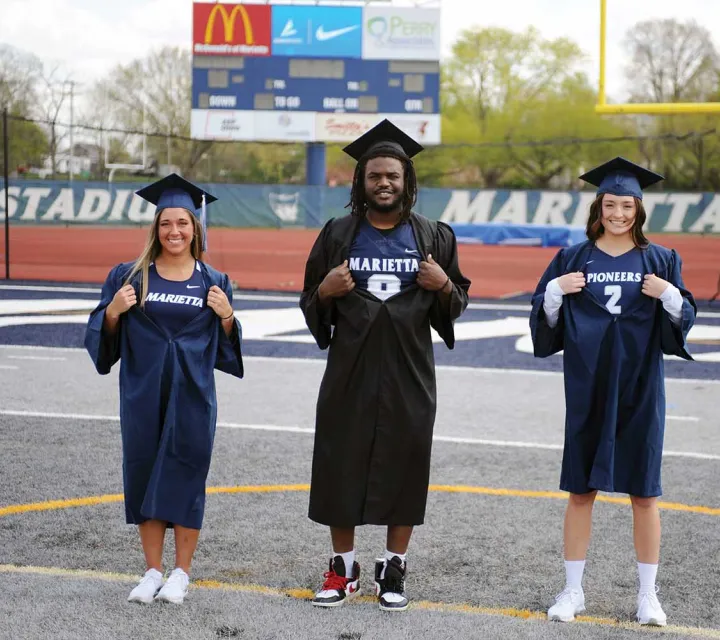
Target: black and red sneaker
pixel 337 588
pixel 390 587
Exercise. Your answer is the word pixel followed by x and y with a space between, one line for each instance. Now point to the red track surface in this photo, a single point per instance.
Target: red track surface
pixel 274 260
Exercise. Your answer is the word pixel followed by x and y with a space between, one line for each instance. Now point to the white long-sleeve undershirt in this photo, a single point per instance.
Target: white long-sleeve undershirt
pixel 671 299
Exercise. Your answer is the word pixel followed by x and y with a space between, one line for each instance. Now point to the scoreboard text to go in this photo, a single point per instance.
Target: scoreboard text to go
pixel 287 102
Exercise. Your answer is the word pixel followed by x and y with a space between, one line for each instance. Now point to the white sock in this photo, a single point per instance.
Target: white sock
pixel 389 555
pixel 647 573
pixel 574 570
pixel 349 559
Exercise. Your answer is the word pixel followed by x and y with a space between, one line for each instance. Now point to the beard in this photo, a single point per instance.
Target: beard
pixel 388 206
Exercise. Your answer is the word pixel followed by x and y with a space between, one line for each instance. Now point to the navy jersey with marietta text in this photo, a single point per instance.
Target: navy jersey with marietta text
pixel 172 305
pixel 377 402
pixel 168 404
pixel 615 281
pixel 384 262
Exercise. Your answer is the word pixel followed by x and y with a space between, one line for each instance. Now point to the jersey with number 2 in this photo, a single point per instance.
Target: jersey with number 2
pixel 384 262
pixel 616 281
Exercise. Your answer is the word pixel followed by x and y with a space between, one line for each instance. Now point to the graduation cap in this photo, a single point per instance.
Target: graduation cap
pixel 175 191
pixel 620 177
pixel 384 137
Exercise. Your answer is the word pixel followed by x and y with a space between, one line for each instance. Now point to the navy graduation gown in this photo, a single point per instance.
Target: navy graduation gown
pixel 376 406
pixel 614 375
pixel 168 406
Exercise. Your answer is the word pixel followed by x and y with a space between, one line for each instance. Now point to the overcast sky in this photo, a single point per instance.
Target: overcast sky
pixel 90 37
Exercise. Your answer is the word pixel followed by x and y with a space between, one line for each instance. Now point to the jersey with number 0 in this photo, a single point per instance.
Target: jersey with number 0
pixel 384 263
pixel 172 305
pixel 616 281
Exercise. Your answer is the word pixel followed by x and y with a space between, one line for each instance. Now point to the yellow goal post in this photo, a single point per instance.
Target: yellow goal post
pixel 651 108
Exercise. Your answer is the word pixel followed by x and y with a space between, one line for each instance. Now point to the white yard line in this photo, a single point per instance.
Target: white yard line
pixel 262 297
pixel 321 362
pixel 36 358
pixel 305 430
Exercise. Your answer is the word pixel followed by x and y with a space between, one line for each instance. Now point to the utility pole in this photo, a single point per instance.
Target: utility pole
pixel 72 146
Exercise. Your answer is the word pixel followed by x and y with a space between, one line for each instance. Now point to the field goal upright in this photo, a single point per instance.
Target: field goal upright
pixel 650 108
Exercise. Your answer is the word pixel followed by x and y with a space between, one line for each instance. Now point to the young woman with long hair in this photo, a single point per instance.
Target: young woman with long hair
pixel 615 304
pixel 168 318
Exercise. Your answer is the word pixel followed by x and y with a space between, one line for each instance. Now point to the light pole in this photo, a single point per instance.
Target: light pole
pixel 72 84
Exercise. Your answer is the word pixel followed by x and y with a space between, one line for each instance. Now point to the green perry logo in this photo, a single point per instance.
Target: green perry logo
pixel 386 29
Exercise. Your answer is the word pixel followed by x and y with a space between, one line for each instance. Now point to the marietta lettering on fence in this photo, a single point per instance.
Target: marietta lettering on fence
pixel 47 202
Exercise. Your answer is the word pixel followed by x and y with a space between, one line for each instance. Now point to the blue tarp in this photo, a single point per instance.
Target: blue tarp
pixel 529 235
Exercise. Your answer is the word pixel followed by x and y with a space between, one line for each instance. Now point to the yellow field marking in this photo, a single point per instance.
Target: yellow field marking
pixel 52 505
pixel 306 594
pixel 263 488
pixel 561 495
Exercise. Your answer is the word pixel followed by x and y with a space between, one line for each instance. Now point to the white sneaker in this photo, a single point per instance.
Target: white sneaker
pixel 567 605
pixel 175 589
pixel 147 587
pixel 649 610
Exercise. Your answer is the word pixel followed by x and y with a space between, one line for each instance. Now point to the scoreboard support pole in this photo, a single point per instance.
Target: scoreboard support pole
pixel 315 163
pixel 316 174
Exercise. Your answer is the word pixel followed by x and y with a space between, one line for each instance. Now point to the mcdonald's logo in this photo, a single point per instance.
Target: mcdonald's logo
pixel 231 29
pixel 229 23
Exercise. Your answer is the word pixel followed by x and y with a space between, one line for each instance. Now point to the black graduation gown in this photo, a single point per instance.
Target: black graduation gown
pixel 614 376
pixel 376 406
pixel 168 406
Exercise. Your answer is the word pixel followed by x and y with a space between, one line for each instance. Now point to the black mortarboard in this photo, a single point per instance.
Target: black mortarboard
pixel 175 191
pixel 620 177
pixel 384 136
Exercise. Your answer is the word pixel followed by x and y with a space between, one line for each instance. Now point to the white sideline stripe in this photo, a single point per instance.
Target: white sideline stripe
pixel 294 298
pixel 440 367
pixel 305 430
pixel 8 366
pixel 36 358
pixel 17 287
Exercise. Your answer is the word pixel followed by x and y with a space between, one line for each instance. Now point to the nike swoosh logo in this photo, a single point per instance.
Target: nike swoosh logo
pixel 321 34
pixel 589 261
pixel 193 287
pixel 352 589
pixel 414 251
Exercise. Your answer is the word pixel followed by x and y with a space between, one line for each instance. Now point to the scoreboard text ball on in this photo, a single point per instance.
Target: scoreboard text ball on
pixel 298 73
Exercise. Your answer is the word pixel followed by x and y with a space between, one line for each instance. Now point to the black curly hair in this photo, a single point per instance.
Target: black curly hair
pixel 358 201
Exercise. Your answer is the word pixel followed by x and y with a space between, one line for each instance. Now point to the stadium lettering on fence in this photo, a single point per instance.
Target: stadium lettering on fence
pixel 55 202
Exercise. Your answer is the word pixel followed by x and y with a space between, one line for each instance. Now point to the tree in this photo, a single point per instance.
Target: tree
pixel 567 112
pixel 671 61
pixel 259 163
pixel 55 87
pixel 501 87
pixel 677 62
pixel 19 74
pixel 154 93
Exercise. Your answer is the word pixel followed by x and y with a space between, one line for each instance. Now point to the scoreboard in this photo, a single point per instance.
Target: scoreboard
pixel 316 84
pixel 313 73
